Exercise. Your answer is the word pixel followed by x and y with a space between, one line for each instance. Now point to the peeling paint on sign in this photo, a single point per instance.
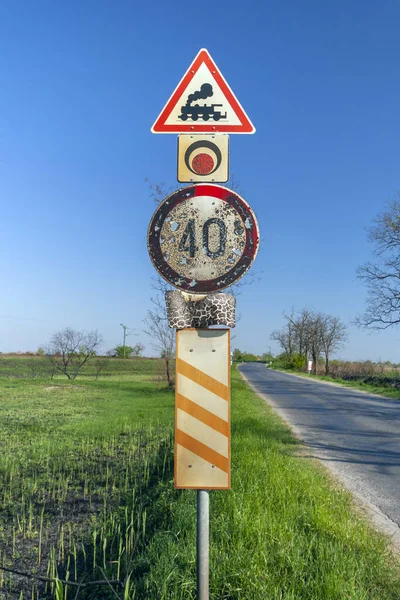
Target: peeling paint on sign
pixel 203 238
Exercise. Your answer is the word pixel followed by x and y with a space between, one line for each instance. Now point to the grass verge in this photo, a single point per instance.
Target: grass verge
pixel 379 389
pixel 86 493
pixel 284 531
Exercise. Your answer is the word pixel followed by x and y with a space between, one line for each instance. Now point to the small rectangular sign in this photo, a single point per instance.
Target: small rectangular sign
pixel 203 158
pixel 202 409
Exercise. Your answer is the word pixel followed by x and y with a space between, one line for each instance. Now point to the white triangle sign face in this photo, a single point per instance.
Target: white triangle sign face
pixel 203 103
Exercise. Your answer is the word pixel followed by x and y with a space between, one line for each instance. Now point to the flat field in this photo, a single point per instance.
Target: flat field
pixel 86 494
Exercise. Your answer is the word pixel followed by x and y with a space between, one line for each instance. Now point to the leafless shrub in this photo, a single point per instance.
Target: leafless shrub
pixel 100 363
pixel 69 350
pixel 156 327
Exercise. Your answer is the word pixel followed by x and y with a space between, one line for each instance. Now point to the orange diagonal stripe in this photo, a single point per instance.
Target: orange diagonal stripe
pixel 203 415
pixel 201 450
pixel 202 379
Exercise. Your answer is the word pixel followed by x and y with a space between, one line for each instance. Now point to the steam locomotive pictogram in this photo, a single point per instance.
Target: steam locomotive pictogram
pixel 204 112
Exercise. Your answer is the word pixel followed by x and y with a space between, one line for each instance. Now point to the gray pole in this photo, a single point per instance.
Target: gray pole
pixel 125 327
pixel 203 544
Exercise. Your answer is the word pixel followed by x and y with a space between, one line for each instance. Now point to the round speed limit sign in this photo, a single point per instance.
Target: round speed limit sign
pixel 203 238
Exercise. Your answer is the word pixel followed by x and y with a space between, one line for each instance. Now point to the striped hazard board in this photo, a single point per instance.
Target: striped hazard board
pixel 202 409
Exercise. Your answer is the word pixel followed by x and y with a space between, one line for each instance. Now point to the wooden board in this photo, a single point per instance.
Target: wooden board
pixel 202 409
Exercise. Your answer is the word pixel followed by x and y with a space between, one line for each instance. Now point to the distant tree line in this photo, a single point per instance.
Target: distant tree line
pixel 127 351
pixel 239 355
pixel 309 335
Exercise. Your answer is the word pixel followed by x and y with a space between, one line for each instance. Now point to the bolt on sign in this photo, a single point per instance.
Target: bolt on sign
pixel 203 102
pixel 202 409
pixel 203 238
pixel 203 158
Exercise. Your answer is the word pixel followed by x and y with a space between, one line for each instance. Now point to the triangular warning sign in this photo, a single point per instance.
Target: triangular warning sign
pixel 203 102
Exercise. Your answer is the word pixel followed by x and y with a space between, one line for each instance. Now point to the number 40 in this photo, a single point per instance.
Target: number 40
pixel 188 240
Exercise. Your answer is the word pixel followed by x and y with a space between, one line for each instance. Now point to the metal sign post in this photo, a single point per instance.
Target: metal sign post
pixel 201 240
pixel 203 544
pixel 202 427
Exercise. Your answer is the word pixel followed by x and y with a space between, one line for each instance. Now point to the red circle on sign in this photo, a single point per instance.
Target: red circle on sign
pixel 246 219
pixel 203 164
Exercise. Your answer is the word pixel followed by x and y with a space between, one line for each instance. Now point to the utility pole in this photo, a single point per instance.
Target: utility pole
pixel 127 332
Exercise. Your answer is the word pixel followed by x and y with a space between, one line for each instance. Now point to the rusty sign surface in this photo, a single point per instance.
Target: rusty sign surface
pixel 203 103
pixel 203 158
pixel 202 409
pixel 203 238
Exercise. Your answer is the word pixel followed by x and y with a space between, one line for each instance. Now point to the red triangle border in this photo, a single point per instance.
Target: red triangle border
pixel 203 56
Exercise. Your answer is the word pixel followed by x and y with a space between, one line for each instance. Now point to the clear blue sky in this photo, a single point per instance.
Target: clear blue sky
pixel 81 83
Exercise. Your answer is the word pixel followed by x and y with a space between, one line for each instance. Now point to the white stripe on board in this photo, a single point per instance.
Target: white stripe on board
pixel 203 397
pixel 202 433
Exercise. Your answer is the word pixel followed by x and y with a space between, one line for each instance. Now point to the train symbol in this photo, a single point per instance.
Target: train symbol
pixel 201 112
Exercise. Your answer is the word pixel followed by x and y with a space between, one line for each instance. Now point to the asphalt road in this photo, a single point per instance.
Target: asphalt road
pixel 357 435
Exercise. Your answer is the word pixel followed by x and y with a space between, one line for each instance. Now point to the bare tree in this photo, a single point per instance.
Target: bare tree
pixel 137 349
pixel 302 326
pixel 310 334
pixel 285 338
pixel 295 336
pixel 100 363
pixel 314 339
pixel 383 277
pixel 333 333
pixel 156 327
pixel 159 190
pixel 69 350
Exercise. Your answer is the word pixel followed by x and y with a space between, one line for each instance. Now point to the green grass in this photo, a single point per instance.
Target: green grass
pixel 22 367
pixel 283 532
pixel 78 463
pixel 86 492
